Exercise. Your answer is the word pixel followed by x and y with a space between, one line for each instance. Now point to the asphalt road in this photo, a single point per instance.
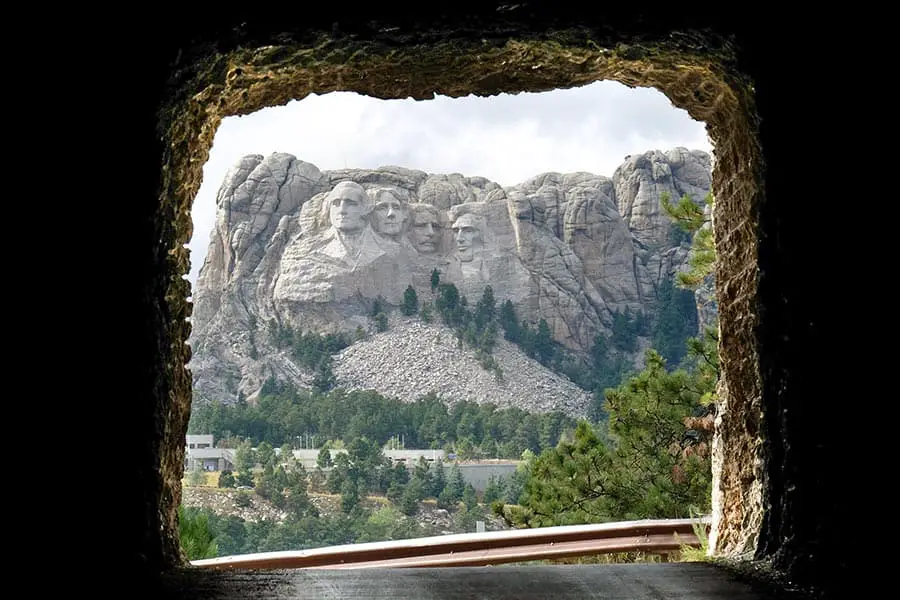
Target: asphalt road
pixel 672 581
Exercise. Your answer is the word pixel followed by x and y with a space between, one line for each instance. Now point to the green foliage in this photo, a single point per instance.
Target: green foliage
pixel 245 478
pixel 435 280
pixel 378 314
pixel 197 538
pixel 652 463
pixel 265 454
pixel 286 489
pixel 509 322
pixel 543 343
pixel 345 416
pixel 469 497
pixel 425 313
pixel 701 261
pixel 323 460
pixel 308 348
pixel 676 322
pixel 412 494
pixel 244 456
pixel 448 304
pixel 410 304
pixel 485 309
pixel 349 496
pixel 690 218
pixel 226 479
pixel 242 499
pixel 325 379
pixel 381 322
pixel 196 477
pixel 687 215
pixel 453 489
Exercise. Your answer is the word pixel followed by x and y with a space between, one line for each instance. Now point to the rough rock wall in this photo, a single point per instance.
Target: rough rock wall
pixel 311 249
pixel 224 69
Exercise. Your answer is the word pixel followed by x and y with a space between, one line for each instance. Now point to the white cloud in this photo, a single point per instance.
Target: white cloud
pixel 505 138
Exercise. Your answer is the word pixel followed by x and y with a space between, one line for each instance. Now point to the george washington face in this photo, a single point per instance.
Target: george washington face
pixel 348 206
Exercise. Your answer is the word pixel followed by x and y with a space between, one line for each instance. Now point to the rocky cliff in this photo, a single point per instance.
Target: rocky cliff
pixel 313 249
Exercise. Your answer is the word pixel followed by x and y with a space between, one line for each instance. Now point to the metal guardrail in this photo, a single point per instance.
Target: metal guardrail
pixel 480 549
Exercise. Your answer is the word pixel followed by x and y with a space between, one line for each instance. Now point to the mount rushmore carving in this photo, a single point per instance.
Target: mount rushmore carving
pixel 313 249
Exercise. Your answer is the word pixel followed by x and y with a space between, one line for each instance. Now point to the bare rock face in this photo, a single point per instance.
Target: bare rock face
pixel 313 249
pixel 413 358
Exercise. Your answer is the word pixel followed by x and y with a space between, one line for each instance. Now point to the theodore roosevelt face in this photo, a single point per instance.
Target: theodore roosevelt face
pixel 426 229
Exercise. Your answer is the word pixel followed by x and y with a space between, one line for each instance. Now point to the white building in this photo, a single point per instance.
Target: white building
pixel 201 455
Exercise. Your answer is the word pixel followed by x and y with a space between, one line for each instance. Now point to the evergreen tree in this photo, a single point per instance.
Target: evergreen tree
pixel 448 303
pixel 435 280
pixel 195 534
pixel 324 378
pixel 425 312
pixel 244 457
pixel 349 496
pixel 484 310
pixel 376 307
pixel 677 321
pixel 323 459
pixel 412 494
pixel 469 497
pixel 244 479
pixel 410 302
pixel 456 482
pixel 226 479
pixel 653 464
pixel 509 321
pixel 437 480
pixel 543 343
pixel 493 490
pixel 691 218
pixel 265 454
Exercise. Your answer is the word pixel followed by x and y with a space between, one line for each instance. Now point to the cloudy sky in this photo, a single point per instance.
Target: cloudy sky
pixel 505 138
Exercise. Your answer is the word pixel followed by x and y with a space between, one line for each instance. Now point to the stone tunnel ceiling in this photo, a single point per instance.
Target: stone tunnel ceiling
pixel 694 72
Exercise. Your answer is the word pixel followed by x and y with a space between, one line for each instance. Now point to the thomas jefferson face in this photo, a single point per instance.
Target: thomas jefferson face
pixel 348 206
pixel 468 237
pixel 426 230
pixel 390 214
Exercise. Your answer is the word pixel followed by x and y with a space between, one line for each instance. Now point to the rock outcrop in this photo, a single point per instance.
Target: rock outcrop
pixel 313 249
pixel 412 359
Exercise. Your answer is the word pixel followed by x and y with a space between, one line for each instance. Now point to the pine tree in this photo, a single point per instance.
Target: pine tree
pixel 323 460
pixel 324 378
pixel 410 302
pixel 484 310
pixel 226 479
pixel 691 218
pixel 543 343
pixel 195 534
pixel 435 280
pixel 244 457
pixel 510 322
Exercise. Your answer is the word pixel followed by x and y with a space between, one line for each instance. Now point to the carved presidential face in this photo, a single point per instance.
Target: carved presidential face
pixel 390 214
pixel 348 206
pixel 469 238
pixel 426 230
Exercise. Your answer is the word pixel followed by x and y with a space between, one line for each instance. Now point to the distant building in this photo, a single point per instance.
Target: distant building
pixel 200 455
pixel 411 457
pixel 199 441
